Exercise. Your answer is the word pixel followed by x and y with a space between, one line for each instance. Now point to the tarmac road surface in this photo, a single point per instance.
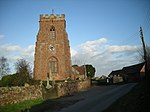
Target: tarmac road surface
pixel 97 98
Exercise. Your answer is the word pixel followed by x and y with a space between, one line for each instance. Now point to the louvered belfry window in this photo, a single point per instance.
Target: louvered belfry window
pixel 52 32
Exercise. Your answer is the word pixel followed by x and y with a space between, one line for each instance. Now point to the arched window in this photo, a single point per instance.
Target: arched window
pixel 52 32
pixel 53 65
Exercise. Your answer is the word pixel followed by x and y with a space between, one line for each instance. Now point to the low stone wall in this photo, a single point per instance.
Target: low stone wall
pixel 66 88
pixel 84 85
pixel 9 95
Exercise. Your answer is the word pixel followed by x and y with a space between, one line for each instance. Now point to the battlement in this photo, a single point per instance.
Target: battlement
pixel 52 17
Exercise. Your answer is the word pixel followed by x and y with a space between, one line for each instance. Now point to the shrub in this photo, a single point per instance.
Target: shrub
pixel 6 81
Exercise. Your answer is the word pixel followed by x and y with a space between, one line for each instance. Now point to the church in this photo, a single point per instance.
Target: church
pixel 52 50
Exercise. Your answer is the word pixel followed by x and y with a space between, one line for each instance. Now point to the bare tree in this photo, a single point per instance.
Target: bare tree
pixel 148 58
pixel 23 70
pixel 147 64
pixel 4 66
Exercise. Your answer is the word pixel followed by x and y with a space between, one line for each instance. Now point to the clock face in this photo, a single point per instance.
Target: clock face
pixel 51 48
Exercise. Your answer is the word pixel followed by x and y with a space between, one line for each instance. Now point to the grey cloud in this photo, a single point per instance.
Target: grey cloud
pixel 104 57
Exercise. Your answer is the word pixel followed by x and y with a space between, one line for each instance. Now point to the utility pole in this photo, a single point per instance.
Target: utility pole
pixel 142 38
pixel 145 53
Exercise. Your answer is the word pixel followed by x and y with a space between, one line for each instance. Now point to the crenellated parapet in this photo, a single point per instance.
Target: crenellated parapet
pixel 45 17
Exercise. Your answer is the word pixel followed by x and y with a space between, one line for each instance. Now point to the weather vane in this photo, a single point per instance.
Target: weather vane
pixel 52 11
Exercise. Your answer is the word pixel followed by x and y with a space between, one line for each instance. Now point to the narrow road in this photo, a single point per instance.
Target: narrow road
pixel 97 98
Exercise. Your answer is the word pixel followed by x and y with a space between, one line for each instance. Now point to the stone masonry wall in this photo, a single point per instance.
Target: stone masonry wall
pixel 9 95
pixel 68 88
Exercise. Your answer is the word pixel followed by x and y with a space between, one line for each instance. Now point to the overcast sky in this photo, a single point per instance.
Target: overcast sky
pixel 104 33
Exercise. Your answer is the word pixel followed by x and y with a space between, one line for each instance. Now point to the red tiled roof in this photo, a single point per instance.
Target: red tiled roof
pixel 80 69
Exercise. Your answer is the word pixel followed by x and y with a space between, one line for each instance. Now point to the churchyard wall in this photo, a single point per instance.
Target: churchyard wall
pixel 9 95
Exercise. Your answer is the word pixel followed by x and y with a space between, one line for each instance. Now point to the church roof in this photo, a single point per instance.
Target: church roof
pixel 80 69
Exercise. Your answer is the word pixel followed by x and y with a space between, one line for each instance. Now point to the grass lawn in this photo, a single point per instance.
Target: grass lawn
pixel 20 106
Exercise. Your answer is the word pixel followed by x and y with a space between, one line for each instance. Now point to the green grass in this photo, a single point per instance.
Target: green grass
pixel 20 106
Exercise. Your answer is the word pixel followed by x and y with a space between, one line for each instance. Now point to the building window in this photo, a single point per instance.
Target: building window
pixel 52 32
pixel 53 65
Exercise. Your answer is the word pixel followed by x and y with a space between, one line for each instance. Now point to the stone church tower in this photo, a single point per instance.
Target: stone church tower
pixel 52 51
